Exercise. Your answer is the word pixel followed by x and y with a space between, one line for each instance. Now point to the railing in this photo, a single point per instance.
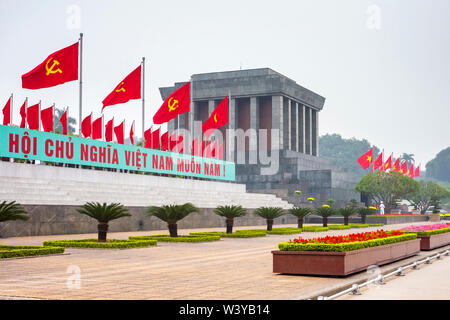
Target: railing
pixel 354 289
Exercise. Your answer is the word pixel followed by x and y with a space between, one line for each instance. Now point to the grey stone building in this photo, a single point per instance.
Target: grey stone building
pixel 263 99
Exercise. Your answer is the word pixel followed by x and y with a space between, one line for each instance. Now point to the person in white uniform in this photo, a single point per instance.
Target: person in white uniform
pixel 381 207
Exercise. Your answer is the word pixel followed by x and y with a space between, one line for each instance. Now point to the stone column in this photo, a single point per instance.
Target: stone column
pixel 231 126
pixel 304 128
pixel 254 126
pixel 289 147
pixel 317 134
pixel 310 132
pixel 277 120
pixel 297 133
pixel 211 107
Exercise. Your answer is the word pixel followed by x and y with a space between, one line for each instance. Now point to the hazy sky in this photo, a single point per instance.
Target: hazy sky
pixel 383 66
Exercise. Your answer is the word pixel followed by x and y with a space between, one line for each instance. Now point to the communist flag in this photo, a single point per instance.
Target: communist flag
pixel 109 130
pixel 165 141
pixel 411 171
pixel 97 128
pixel 33 116
pixel 396 166
pixel 388 163
pixel 132 133
pixel 155 139
pixel 177 103
pixel 63 121
pixel 7 112
pixel 47 119
pixel 404 168
pixel 417 171
pixel 173 142
pixel 195 150
pixel 58 68
pixel 148 137
pixel 218 118
pixel 23 114
pixel 366 159
pixel 128 89
pixel 86 126
pixel 379 162
pixel 118 131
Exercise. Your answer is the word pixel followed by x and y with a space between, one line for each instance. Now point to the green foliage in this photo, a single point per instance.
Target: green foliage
pixel 315 229
pixel 439 167
pixel 386 187
pixel 346 212
pixel 104 212
pixel 12 211
pixel 429 232
pixel 428 194
pixel 93 243
pixel 331 202
pixel 359 225
pixel 269 212
pixel 342 247
pixel 249 233
pixel 300 212
pixel 324 212
pixel 184 238
pixel 230 211
pixel 285 230
pixel 25 251
pixel 172 213
pixel 338 227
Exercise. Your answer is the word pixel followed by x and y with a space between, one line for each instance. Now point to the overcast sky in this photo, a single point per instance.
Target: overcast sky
pixel 383 66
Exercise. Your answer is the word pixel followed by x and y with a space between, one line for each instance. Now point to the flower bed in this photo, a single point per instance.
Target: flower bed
pixel 93 243
pixel 432 235
pixel 180 238
pixel 8 251
pixel 342 255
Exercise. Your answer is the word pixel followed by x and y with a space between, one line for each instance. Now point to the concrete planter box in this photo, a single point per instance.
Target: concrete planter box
pixel 341 263
pixel 396 220
pixel 434 241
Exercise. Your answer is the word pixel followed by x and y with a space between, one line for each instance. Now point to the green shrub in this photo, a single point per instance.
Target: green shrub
pixel 93 243
pixel 358 225
pixel 183 238
pixel 430 232
pixel 25 251
pixel 338 226
pixel 285 230
pixel 315 229
pixel 376 224
pixel 341 247
pixel 237 234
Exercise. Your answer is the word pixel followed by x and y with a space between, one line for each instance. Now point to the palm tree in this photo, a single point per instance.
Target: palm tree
pixel 363 212
pixel 12 211
pixel 408 157
pixel 300 213
pixel 103 213
pixel 230 212
pixel 346 212
pixel 171 214
pixel 325 211
pixel 269 213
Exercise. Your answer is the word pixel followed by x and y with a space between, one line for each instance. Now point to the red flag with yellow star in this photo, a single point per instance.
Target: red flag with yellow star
pixel 218 118
pixel 58 68
pixel 396 165
pixel 127 89
pixel 176 103
pixel 366 159
pixel 404 168
pixel 388 163
pixel 378 163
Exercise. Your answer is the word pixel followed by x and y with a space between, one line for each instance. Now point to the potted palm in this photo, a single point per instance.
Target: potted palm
pixel 172 214
pixel 269 213
pixel 300 213
pixel 230 212
pixel 325 211
pixel 103 213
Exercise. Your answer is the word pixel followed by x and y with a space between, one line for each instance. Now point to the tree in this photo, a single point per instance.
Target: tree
pixel 387 187
pixel 57 126
pixel 439 167
pixel 172 214
pixel 300 213
pixel 325 211
pixel 364 212
pixel 12 211
pixel 269 213
pixel 408 157
pixel 230 212
pixel 427 194
pixel 346 212
pixel 103 213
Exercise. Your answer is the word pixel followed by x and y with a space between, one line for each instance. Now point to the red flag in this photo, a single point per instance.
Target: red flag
pixel 7 112
pixel 220 152
pixel 404 168
pixel 207 153
pixel 417 172
pixel 155 139
pixel 86 126
pixel 63 121
pixel 218 118
pixel 33 116
pixel 214 149
pixel 118 131
pixel 97 128
pixel 23 114
pixel 180 145
pixel 132 133
pixel 366 159
pixel 109 130
pixel 396 166
pixel 148 137
pixel 47 119
pixel 388 163
pixel 165 141
pixel 195 150
pixel 177 103
pixel 173 142
pixel 378 163
pixel 411 171
pixel 128 89
pixel 58 68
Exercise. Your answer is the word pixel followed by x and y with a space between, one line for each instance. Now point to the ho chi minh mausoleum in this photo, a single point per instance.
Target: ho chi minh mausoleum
pixel 265 99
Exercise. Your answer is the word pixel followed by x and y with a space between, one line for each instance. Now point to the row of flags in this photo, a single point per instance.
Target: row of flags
pixel 366 160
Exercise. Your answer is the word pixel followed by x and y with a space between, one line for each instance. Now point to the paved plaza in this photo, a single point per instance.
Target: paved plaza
pixel 228 269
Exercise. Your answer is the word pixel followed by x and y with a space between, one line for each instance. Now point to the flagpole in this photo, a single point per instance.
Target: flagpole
pixel 53 116
pixel 39 115
pixel 11 110
pixel 143 97
pixel 81 81
pixel 26 111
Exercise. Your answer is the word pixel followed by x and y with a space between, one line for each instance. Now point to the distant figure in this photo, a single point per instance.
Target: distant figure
pixel 381 208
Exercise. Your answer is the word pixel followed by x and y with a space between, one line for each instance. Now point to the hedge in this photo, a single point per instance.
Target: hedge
pixel 25 251
pixel 314 229
pixel 348 246
pixel 338 226
pixel 183 238
pixel 430 232
pixel 237 234
pixel 285 230
pixel 93 243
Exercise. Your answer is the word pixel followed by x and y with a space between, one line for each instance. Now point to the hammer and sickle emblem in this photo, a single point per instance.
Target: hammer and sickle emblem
pixel 50 69
pixel 215 118
pixel 172 106
pixel 121 88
